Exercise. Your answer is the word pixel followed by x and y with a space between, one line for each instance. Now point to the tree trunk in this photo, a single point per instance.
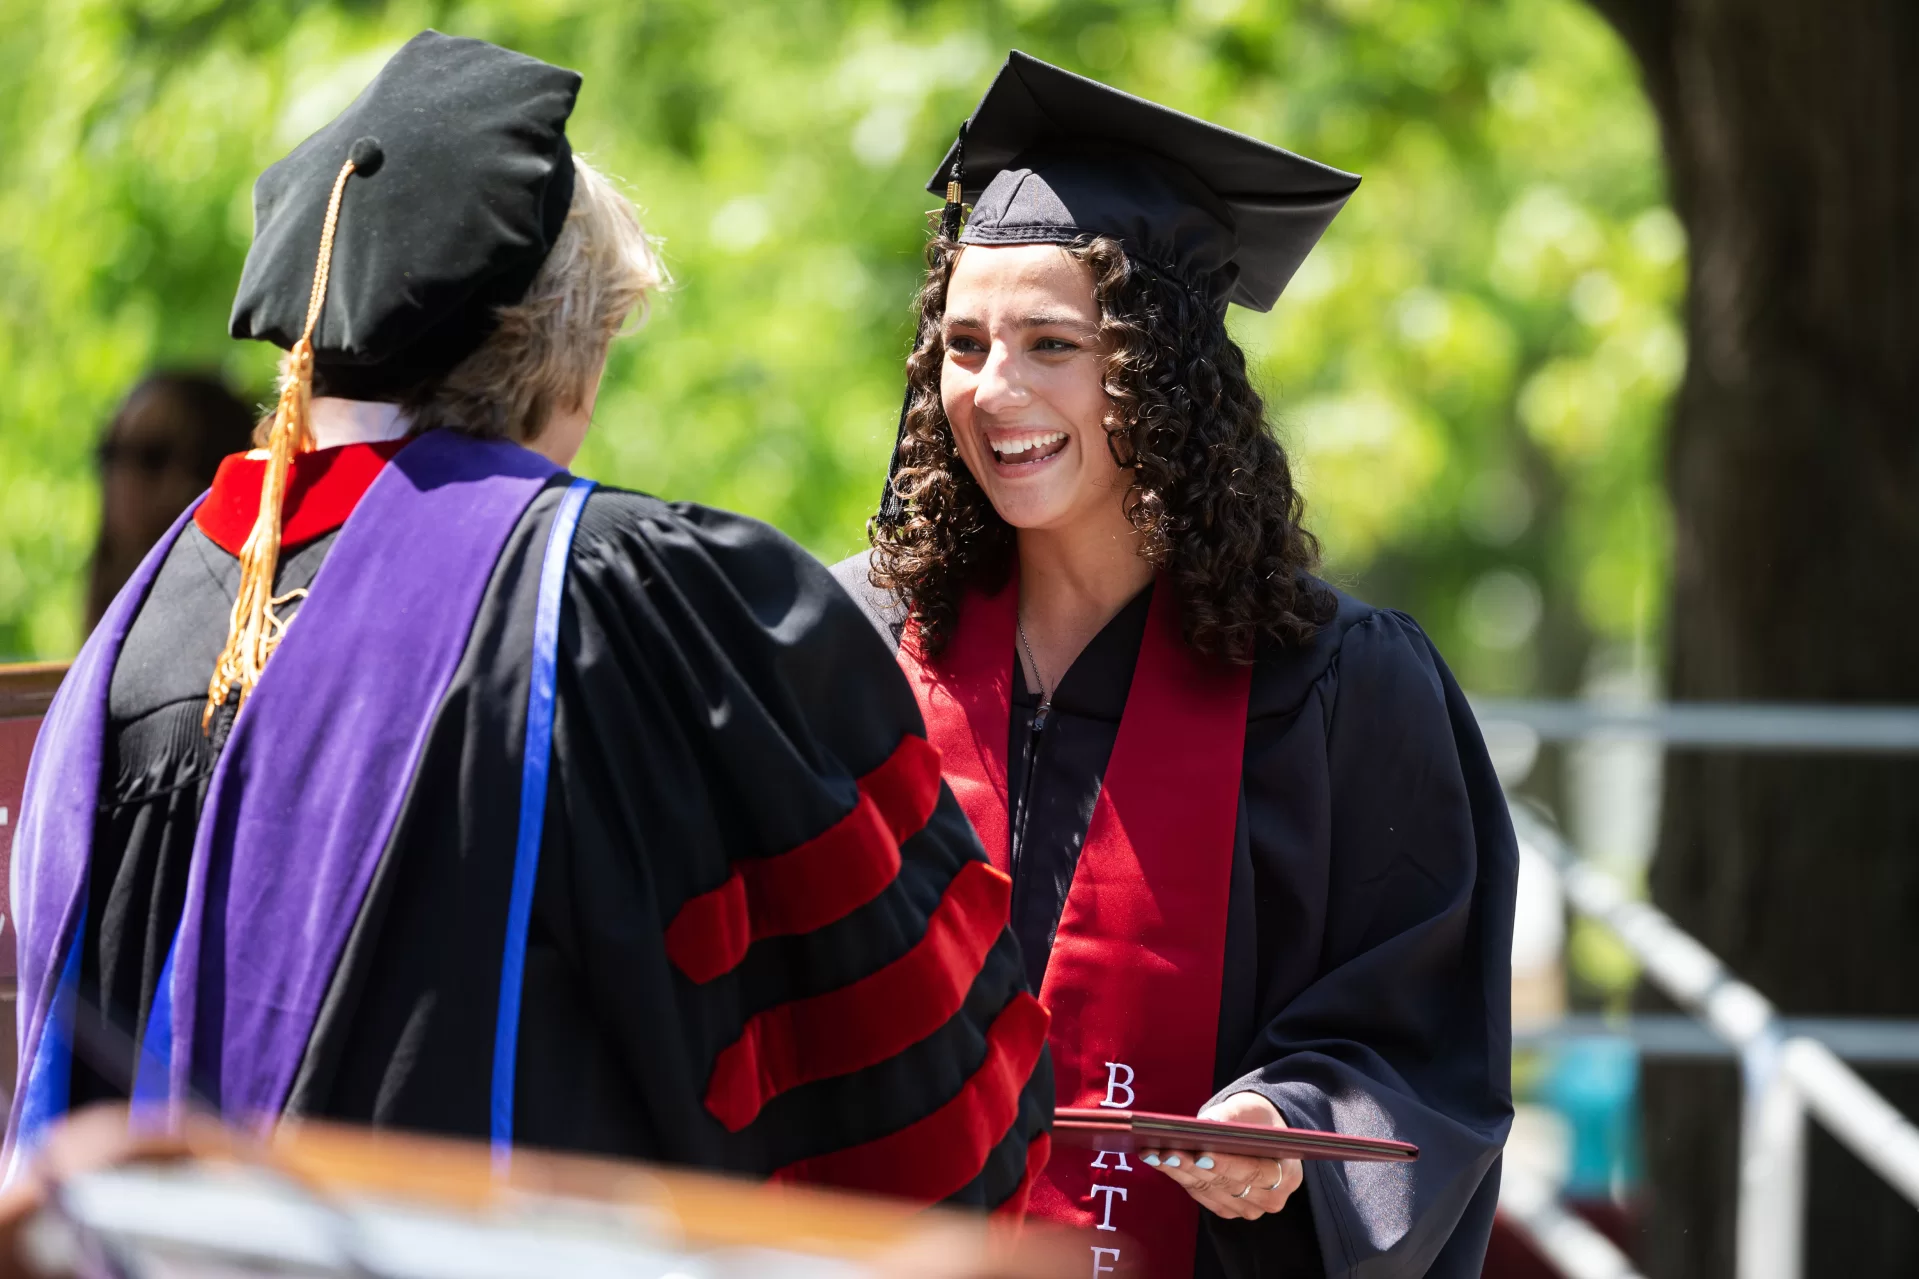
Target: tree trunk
pixel 1792 140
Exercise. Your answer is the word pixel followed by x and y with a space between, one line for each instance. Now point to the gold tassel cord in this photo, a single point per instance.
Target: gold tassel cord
pixel 255 628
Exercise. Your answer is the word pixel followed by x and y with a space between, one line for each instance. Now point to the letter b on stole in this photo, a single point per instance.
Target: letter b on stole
pixel 1116 1085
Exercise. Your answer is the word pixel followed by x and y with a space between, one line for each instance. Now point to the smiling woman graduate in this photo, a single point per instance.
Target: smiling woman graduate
pixel 412 781
pixel 1262 870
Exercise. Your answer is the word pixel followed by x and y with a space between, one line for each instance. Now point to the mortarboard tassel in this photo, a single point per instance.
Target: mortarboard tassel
pixel 255 629
pixel 954 214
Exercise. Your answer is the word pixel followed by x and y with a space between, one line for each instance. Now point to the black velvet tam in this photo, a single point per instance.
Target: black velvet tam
pixel 1049 157
pixel 463 180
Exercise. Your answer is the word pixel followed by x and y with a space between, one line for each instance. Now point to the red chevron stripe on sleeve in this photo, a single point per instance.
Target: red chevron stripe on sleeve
pixel 820 881
pixel 1038 1151
pixel 872 1019
pixel 936 1156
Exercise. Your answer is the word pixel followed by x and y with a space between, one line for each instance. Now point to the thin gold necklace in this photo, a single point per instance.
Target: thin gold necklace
pixel 1045 698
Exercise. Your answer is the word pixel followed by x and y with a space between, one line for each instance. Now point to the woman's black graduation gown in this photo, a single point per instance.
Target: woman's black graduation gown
pixel 714 685
pixel 1369 934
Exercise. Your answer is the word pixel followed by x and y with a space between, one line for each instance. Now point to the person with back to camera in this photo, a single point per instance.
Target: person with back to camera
pixel 1262 869
pixel 413 782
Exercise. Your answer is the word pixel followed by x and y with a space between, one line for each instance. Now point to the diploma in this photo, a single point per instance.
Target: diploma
pixel 1102 1129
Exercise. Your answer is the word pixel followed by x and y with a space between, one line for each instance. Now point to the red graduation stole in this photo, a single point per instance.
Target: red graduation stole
pixel 1133 983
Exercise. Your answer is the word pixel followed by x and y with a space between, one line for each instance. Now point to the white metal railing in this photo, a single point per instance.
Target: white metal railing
pixel 1567 1242
pixel 1806 1076
pixel 1880 1041
pixel 1786 1076
pixel 1756 726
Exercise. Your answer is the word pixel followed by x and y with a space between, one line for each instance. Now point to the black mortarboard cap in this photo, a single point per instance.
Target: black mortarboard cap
pixel 463 180
pixel 1050 156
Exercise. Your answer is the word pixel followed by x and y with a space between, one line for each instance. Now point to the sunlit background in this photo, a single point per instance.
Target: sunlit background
pixel 1470 372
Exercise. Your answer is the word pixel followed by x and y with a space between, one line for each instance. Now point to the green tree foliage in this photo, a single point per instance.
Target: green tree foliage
pixel 1470 370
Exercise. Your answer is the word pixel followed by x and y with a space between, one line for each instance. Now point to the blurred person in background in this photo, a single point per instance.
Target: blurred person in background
pixel 1262 869
pixel 157 454
pixel 413 782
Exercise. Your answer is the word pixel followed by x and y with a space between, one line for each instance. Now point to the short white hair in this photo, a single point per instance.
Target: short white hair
pixel 550 345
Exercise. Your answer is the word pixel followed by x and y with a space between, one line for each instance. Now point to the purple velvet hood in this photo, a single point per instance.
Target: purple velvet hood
pixel 301 806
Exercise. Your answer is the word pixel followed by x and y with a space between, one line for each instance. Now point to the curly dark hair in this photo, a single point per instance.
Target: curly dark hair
pixel 1212 494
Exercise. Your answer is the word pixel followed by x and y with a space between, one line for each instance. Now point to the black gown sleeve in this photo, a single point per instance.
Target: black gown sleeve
pixel 1393 864
pixel 752 872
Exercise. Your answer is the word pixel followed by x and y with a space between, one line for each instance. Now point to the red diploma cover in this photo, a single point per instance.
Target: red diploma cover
pixel 1133 983
pixel 1098 1129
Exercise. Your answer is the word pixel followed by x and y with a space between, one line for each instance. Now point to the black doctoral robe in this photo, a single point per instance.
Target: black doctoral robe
pixel 718 696
pixel 1368 940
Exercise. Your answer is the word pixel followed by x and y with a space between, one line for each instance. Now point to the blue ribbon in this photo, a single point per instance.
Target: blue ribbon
pixel 50 1076
pixel 533 784
pixel 153 1071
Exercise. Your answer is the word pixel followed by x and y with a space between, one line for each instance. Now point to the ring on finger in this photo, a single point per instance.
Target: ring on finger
pixel 1242 1194
pixel 1278 1181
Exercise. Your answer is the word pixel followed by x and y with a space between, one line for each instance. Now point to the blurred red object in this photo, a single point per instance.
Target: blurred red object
pixel 25 692
pixel 1510 1256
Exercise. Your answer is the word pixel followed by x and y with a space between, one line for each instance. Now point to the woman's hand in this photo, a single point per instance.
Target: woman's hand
pixel 1234 1185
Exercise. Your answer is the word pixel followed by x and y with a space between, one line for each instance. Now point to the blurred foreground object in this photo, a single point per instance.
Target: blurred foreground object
pixel 157 454
pixel 327 1200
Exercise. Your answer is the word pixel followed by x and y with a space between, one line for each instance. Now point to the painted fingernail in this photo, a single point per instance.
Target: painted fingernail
pixel 1172 1161
pixel 1204 1161
pixel 1153 1160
